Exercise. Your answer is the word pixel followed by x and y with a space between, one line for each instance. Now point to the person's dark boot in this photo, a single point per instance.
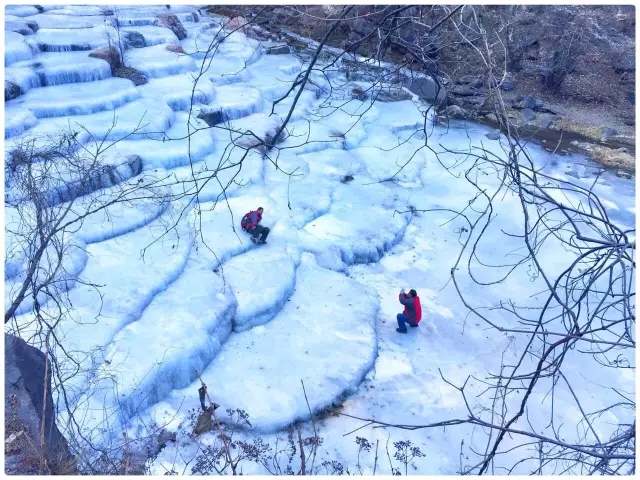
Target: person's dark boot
pixel 262 241
pixel 400 331
pixel 414 326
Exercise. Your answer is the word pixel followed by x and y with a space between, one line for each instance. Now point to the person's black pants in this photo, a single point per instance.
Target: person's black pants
pixel 259 230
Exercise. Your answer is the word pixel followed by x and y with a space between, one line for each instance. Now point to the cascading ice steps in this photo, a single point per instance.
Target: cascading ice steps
pixel 75 39
pixel 78 98
pixel 57 68
pixel 21 10
pixel 157 61
pixel 153 35
pixel 18 47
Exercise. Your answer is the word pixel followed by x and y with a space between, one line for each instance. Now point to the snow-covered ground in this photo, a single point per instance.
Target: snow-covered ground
pixel 318 302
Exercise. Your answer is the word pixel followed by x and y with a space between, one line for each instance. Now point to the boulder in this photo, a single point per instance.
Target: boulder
pixel 607 133
pixel 22 28
pixel 175 48
pixel 358 94
pixel 131 74
pixel 27 409
pixel 545 122
pixel 550 108
pixel 212 118
pixel 473 80
pixel 528 114
pixel 11 91
pixel 108 54
pixel 278 50
pixel 170 21
pixel 464 91
pixel 236 23
pixel 427 89
pixel 530 102
pixel 456 112
pixel 134 40
pixel 493 135
pixel 393 94
pixel 508 84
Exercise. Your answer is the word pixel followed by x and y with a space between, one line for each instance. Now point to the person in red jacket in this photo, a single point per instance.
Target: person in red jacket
pixel 251 223
pixel 412 310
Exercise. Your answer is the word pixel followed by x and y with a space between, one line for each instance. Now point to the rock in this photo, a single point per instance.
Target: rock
pixel 393 94
pixel 256 32
pixel 131 74
pixel 170 21
pixel 607 133
pixel 134 40
pixel 175 48
pixel 623 150
pixel 278 50
pixel 464 91
pixel 488 104
pixel 236 23
pixel 550 108
pixel 23 28
pixel 545 122
pixel 32 25
pixel 108 54
pixel 211 118
pixel 135 164
pixel 11 91
pixel 473 80
pixel 427 89
pixel 358 94
pixel 528 114
pixel 623 174
pixel 477 102
pixel 456 112
pixel 493 135
pixel 27 409
pixel 508 84
pixel 528 101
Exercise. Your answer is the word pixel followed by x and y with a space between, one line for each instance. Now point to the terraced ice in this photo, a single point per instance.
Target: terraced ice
pixel 181 287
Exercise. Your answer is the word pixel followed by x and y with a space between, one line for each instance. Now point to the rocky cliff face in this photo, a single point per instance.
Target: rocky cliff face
pixel 33 443
pixel 568 68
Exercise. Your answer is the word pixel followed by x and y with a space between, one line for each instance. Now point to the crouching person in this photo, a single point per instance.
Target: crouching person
pixel 251 224
pixel 412 310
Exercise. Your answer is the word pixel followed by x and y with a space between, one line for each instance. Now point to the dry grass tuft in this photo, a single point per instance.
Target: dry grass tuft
pixel 610 157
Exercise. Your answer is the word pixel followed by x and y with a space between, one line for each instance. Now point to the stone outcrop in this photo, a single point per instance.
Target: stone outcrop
pixel 134 40
pixel 170 21
pixel 109 55
pixel 30 449
pixel 175 48
pixel 11 91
